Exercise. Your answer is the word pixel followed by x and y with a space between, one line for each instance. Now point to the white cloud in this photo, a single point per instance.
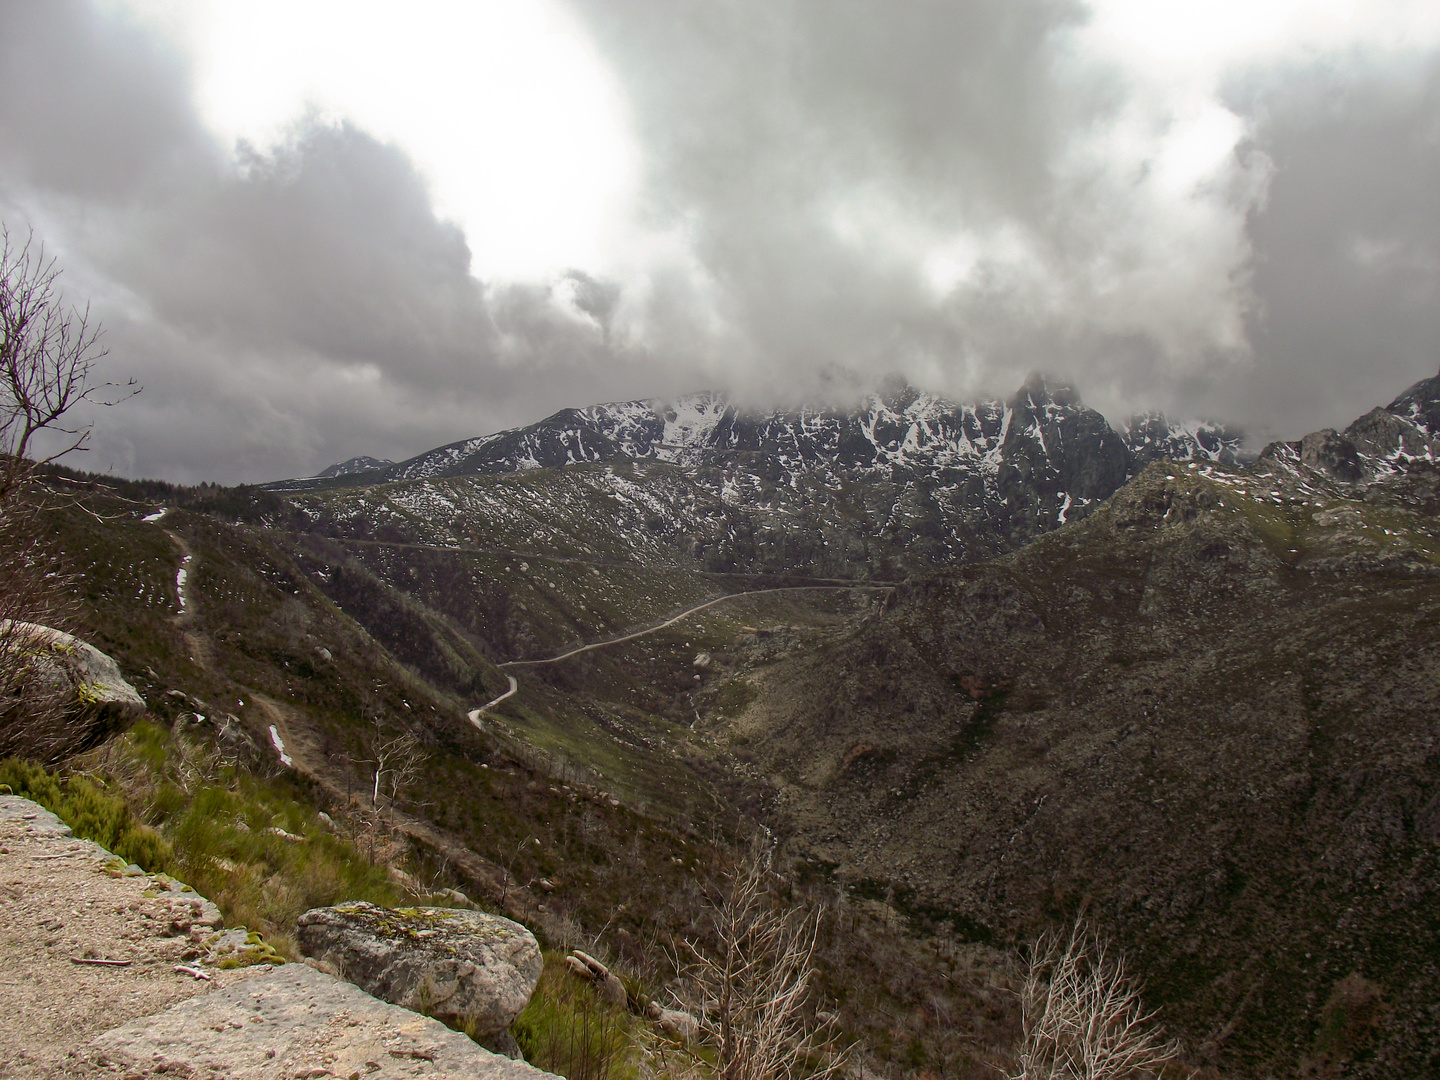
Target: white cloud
pixel 502 104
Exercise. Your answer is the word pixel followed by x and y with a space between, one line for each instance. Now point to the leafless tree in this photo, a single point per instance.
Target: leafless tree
pixel 397 760
pixel 47 356
pixel 48 353
pixel 1082 1015
pixel 752 983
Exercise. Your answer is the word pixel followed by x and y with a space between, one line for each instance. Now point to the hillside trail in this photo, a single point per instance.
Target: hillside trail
pixel 308 758
pixel 196 643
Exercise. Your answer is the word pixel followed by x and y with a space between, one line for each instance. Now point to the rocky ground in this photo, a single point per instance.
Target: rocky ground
pixel 111 971
pixel 87 945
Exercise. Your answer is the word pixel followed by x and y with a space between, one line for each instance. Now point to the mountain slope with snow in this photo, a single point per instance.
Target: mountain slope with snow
pixel 904 480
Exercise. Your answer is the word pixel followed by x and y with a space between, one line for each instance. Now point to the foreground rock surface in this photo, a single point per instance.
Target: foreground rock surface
pixel 465 967
pixel 87 941
pixel 293 1022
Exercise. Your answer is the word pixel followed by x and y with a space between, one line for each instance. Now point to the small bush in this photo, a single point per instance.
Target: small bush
pixel 569 1030
pixel 245 842
pixel 90 812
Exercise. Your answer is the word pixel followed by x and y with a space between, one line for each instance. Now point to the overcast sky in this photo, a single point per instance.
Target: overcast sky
pixel 327 228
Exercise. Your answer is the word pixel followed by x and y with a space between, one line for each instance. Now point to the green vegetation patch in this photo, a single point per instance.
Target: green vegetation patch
pixel 248 843
pixel 568 1029
pixel 90 811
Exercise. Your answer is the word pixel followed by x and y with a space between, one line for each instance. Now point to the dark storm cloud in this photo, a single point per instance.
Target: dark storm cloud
pixel 830 191
pixel 91 107
pixel 1348 245
pixel 814 150
pixel 782 135
pixel 283 310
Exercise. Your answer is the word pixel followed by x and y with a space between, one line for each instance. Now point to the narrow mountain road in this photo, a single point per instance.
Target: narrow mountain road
pixel 685 615
pixel 475 714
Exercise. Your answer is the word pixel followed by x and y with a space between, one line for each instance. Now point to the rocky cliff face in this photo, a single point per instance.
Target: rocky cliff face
pixel 1378 447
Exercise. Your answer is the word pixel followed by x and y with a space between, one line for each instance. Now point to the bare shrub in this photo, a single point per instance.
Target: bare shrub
pixel 751 983
pixel 1082 1014
pixel 47 355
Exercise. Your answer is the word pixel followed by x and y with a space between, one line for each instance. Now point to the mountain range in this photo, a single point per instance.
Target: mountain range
pixel 915 477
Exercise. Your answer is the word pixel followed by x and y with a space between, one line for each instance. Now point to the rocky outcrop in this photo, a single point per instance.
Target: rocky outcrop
pixel 59 695
pixel 90 941
pixel 113 971
pixel 467 968
pixel 292 1022
pixel 1385 445
pixel 606 982
pixel 678 1025
pixel 65 663
pixel 1331 453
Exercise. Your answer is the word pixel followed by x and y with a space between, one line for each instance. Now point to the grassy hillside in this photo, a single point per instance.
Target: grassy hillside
pixel 588 805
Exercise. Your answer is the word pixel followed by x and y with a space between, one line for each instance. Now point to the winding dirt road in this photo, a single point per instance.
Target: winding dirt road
pixel 677 618
pixel 475 714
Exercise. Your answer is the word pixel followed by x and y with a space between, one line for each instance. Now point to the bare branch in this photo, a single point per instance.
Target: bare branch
pixel 752 984
pixel 47 357
pixel 1082 1015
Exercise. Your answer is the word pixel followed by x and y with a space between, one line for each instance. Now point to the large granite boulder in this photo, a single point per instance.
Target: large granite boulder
pixel 90 696
pixel 467 968
pixel 291 1022
pixel 63 661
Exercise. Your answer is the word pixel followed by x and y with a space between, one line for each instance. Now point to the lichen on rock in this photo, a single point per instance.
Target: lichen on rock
pixel 467 968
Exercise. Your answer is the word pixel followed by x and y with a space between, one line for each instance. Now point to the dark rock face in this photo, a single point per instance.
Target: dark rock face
pixel 462 967
pixel 1153 436
pixel 1056 458
pixel 1332 453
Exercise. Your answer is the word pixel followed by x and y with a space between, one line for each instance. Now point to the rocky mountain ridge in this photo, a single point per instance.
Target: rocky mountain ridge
pixel 1379 446
pixel 898 428
pixel 903 481
pixel 363 463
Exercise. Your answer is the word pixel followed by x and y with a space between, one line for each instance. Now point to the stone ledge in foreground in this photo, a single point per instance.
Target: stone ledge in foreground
pixel 296 1022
